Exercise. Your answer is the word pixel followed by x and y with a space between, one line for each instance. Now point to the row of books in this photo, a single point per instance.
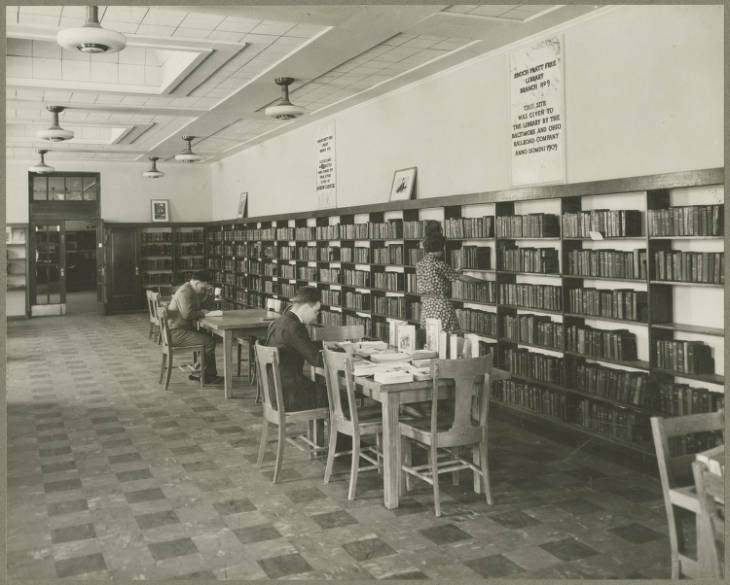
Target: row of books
pixel 617 304
pixel 694 443
pixel 287 289
pixel 157 250
pixel 358 254
pixel 689 357
pixel 331 297
pixel 357 301
pixel 680 399
pixel 536 399
pixel 541 260
pixel 392 254
pixel 190 236
pixel 542 367
pixel 533 225
pixel 414 229
pixel 271 269
pixel 190 263
pixel 618 344
pixel 411 282
pixel 156 263
pixel 469 227
pixel 608 263
pixel 157 278
pixel 617 423
pixel 356 277
pixel 308 273
pixel 614 384
pixel 478 292
pixel 533 296
pixel 415 255
pixel 415 309
pixel 388 280
pixel 609 223
pixel 391 306
pixel 308 253
pixel 271 287
pixel 331 318
pixel 471 257
pixel 534 329
pixel 688 220
pixel 690 266
pixel 387 230
pixel 156 237
pixel 229 264
pixel 366 323
pixel 328 232
pixel 191 248
pixel 329 275
pixel 476 321
pixel 288 271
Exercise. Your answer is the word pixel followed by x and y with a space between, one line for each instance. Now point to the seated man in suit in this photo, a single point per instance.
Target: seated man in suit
pixel 290 335
pixel 184 309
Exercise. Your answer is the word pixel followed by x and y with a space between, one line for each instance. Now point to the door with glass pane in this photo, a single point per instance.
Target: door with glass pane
pixel 48 269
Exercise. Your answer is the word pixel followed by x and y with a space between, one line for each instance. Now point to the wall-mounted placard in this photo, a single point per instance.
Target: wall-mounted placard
pixel 325 173
pixel 537 113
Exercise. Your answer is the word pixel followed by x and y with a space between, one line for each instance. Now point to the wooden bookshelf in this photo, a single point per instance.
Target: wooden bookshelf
pixel 16 245
pixel 653 193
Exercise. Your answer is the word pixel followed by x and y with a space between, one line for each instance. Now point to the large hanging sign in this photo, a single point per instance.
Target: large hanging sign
pixel 537 113
pixel 325 178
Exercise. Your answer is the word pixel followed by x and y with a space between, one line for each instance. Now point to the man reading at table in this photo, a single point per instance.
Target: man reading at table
pixel 184 310
pixel 289 334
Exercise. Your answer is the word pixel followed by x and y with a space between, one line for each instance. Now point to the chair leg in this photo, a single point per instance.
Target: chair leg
pixel 168 372
pixel 238 358
pixel 331 450
pixel 354 467
pixel 258 392
pixel 455 474
pixel 408 460
pixel 149 335
pixel 251 359
pixel 379 449
pixel 673 540
pixel 162 367
pixel 279 452
pixel 262 444
pixel 202 369
pixel 433 454
pixel 159 335
pixel 484 464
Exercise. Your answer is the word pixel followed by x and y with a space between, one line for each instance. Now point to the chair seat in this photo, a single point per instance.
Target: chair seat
pixel 685 497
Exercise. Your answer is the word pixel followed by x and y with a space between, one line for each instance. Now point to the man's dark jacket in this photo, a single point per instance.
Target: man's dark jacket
pixel 290 335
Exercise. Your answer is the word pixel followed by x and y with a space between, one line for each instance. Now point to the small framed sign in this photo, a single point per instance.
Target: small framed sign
pixel 404 184
pixel 243 205
pixel 160 210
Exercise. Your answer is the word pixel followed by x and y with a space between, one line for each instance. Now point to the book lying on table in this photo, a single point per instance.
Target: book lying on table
pixel 394 374
pixel 216 313
pixel 390 356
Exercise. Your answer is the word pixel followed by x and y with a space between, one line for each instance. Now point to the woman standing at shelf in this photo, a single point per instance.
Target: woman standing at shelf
pixel 434 277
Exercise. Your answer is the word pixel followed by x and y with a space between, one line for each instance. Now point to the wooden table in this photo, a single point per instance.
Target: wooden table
pixel 247 322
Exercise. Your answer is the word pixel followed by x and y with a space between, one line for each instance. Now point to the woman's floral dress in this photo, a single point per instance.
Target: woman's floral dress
pixel 434 277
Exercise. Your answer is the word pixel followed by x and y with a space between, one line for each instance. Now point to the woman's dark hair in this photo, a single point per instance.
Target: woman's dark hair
pixel 434 242
pixel 201 275
pixel 432 228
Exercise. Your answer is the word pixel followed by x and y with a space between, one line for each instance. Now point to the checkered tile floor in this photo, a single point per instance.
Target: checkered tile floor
pixel 111 477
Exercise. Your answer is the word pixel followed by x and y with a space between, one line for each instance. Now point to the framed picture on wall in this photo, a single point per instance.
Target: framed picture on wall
pixel 243 204
pixel 404 184
pixel 160 210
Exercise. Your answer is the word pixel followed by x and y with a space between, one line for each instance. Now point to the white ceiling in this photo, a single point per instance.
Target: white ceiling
pixel 209 70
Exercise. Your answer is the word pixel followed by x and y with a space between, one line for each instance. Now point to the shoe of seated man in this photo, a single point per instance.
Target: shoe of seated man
pixel 207 381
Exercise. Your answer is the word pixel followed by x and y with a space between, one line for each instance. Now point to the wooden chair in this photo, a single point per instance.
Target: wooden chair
pixel 153 303
pixel 471 394
pixel 275 305
pixel 676 479
pixel 267 364
pixel 168 350
pixel 711 521
pixel 352 421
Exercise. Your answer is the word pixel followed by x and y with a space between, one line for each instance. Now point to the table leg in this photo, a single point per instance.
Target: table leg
pixel 227 362
pixel 391 450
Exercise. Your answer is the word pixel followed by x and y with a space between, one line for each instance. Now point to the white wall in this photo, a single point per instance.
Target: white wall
pixel 644 95
pixel 125 194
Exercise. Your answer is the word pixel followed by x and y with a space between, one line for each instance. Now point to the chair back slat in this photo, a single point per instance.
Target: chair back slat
pixel 164 329
pixel 471 386
pixel 337 366
pixel 344 333
pixel 267 364
pixel 154 299
pixel 711 521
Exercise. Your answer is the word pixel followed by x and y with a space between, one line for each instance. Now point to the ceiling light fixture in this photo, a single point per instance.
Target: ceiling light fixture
pixel 55 133
pixel 152 172
pixel 91 38
pixel 41 168
pixel 188 156
pixel 283 109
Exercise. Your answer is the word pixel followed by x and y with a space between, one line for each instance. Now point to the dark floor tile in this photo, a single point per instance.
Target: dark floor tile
pixel 371 548
pixel 114 443
pixel 409 506
pixel 244 442
pixel 49 426
pixel 444 534
pixel 54 451
pixel 156 519
pixel 134 474
pixel 407 576
pixel 71 533
pixel 59 466
pixel 52 438
pixel 63 485
pixel 197 575
pixel 305 495
pixel 334 519
pixel 494 566
pixel 258 533
pixel 176 436
pixel 157 414
pixel 147 495
pixel 111 431
pixel 636 533
pixel 104 419
pixel 284 565
pixel 234 506
pixel 172 548
pixel 636 494
pixel 284 475
pixel 60 508
pixel 514 519
pixel 585 473
pixel 229 430
pixel 578 506
pixel 124 458
pixel 215 418
pixel 203 408
pixel 186 450
pixel 199 466
pixel 167 424
pixel 80 565
pixel 568 549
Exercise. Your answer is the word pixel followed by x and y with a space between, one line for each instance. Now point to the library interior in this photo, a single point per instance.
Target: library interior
pixel 361 292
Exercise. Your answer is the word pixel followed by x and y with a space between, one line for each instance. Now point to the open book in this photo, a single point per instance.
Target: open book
pixel 216 313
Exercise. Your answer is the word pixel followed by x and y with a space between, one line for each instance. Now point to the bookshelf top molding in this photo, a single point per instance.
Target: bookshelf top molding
pixel 714 176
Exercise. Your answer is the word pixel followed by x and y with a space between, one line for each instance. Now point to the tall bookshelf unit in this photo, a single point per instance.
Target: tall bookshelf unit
pixel 16 242
pixel 572 297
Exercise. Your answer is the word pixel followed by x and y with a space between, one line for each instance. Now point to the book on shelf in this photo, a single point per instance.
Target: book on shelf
pixel 433 327
pixel 689 220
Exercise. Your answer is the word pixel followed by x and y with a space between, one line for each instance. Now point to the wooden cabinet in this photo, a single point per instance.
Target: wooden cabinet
pixel 17 285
